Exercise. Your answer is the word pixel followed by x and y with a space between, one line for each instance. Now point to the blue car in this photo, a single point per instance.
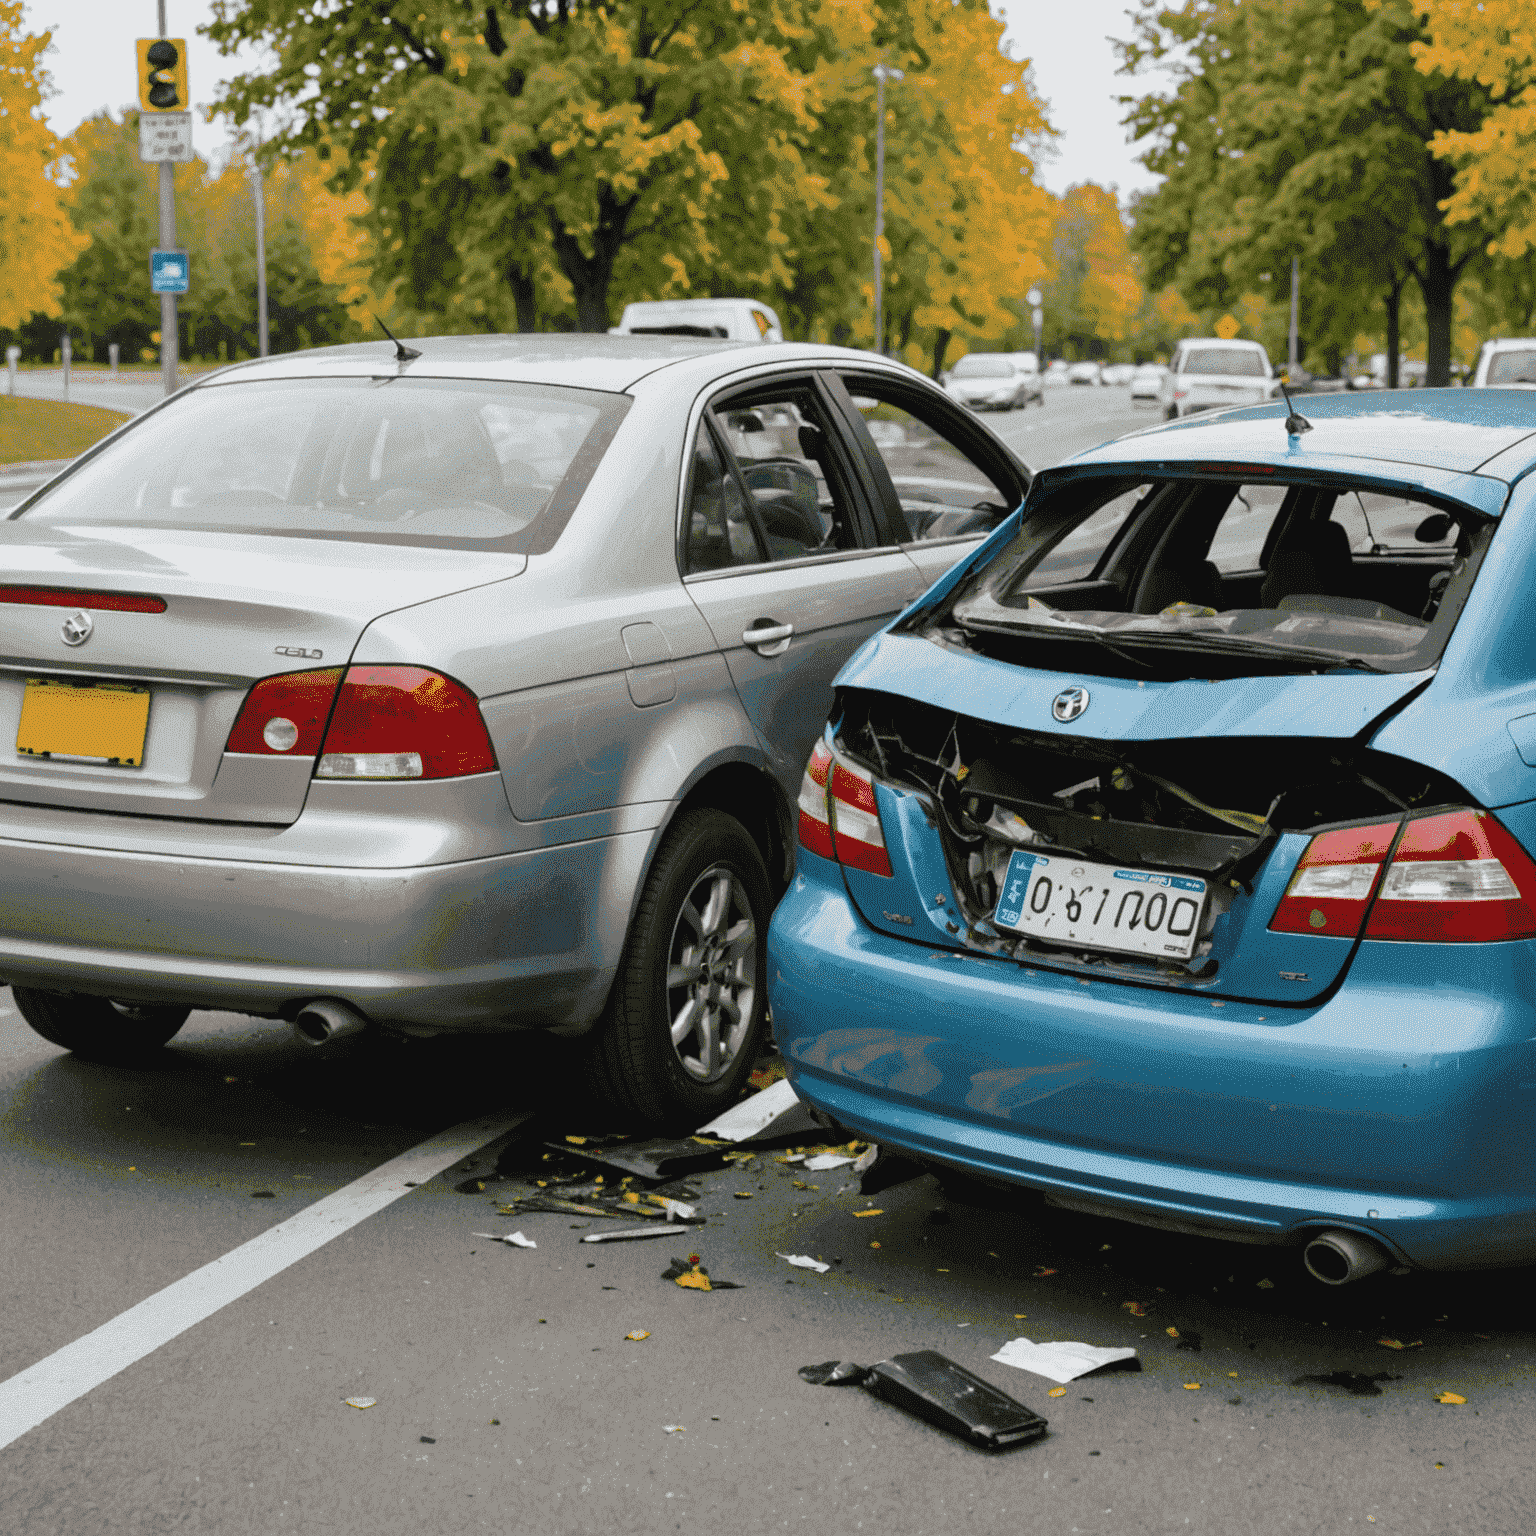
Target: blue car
pixel 1172 856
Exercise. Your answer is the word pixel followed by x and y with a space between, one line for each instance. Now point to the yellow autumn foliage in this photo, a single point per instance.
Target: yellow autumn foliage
pixel 37 240
pixel 1492 42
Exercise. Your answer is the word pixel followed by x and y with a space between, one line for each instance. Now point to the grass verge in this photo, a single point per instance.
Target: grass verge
pixel 49 429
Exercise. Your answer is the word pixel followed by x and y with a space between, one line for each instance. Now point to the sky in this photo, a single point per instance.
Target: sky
pixel 92 63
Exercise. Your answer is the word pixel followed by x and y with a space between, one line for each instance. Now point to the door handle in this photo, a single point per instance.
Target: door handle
pixel 768 637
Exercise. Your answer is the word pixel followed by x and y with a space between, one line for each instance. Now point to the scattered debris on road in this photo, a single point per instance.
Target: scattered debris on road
pixel 692 1276
pixel 935 1388
pixel 512 1239
pixel 1449 1397
pixel 674 1429
pixel 804 1261
pixel 360 1402
pixel 1356 1383
pixel 629 1234
pixel 636 1335
pixel 1064 1361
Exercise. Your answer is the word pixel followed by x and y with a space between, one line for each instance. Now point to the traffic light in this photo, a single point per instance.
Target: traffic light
pixel 163 74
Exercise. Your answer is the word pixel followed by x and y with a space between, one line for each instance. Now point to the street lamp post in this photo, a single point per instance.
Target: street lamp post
pixel 259 197
pixel 1037 314
pixel 882 73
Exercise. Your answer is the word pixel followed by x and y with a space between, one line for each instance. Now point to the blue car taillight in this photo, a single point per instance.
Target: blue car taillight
pixel 839 818
pixel 1335 879
pixel 1454 877
pixel 1458 877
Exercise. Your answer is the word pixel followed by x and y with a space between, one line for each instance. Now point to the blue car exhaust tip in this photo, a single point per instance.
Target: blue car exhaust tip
pixel 1337 1258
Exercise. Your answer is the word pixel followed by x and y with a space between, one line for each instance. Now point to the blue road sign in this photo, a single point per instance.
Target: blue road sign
pixel 169 271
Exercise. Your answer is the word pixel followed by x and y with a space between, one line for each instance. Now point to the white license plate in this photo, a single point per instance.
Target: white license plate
pixel 1101 906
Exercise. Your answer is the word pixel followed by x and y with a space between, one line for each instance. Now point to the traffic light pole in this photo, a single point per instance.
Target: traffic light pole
pixel 169 336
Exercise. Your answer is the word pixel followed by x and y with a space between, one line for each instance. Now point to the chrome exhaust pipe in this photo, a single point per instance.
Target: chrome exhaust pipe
pixel 325 1021
pixel 1337 1257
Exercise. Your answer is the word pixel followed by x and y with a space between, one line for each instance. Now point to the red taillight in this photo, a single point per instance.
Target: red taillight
pixel 1334 881
pixel 1458 877
pixel 856 832
pixel 285 716
pixel 815 825
pixel 63 597
pixel 404 723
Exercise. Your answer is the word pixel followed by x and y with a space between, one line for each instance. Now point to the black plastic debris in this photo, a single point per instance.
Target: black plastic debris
pixel 1356 1383
pixel 660 1159
pixel 835 1373
pixel 947 1395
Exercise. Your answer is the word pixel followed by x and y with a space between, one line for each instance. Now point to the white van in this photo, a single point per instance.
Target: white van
pixel 728 319
pixel 1506 362
pixel 1209 374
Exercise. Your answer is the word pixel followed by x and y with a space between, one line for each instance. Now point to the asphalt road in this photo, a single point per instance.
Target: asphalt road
pixel 509 1399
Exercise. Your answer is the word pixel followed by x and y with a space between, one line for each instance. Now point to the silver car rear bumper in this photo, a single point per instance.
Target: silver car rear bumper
pixel 517 940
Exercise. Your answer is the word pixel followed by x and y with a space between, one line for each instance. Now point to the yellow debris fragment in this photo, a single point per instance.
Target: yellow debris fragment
pixel 1450 1397
pixel 635 1335
pixel 875 1212
pixel 1191 1386
pixel 1057 1392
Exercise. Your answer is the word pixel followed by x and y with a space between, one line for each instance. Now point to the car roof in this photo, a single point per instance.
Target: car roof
pixel 1457 431
pixel 581 360
pixel 1220 341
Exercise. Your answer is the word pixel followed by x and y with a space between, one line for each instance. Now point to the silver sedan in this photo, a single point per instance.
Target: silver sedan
pixel 467 687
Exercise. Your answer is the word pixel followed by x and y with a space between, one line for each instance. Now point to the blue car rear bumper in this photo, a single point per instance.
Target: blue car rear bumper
pixel 1399 1107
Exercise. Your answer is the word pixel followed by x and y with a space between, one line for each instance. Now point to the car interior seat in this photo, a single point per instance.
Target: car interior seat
pixel 1180 582
pixel 1313 559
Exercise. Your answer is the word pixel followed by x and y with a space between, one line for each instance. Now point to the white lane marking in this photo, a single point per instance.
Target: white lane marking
pixel 40 1391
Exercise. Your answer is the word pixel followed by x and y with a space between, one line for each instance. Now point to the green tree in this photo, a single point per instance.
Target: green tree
pixel 499 141
pixel 1302 127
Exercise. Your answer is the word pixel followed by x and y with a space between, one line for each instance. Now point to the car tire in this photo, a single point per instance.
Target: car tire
pixel 708 880
pixel 97 1029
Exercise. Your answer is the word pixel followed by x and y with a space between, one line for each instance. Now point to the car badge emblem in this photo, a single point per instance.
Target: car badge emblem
pixel 76 629
pixel 1069 704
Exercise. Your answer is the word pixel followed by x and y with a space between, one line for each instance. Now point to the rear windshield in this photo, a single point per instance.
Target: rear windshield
pixel 1204 578
pixel 1513 367
pixel 1234 360
pixel 975 365
pixel 442 462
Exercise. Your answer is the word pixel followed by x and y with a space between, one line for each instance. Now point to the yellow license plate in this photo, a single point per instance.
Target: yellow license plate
pixel 99 722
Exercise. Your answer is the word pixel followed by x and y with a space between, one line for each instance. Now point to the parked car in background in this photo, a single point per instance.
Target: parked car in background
pixel 1085 373
pixel 722 319
pixel 460 687
pixel 989 381
pixel 1173 857
pixel 1029 365
pixel 1147 381
pixel 1055 373
pixel 1506 362
pixel 1208 374
pixel 1118 373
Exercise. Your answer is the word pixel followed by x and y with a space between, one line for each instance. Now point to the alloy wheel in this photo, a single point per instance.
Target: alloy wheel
pixel 712 974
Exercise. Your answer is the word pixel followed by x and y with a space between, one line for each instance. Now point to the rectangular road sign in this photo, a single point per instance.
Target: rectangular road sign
pixel 169 271
pixel 165 136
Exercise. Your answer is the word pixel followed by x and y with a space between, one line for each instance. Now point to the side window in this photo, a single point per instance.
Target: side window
pixel 1238 543
pixel 1078 555
pixel 718 531
pixel 942 490
pixel 1374 523
pixel 787 464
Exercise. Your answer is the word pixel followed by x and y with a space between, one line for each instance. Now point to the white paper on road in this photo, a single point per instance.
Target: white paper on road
pixel 677 1210
pixel 824 1160
pixel 1061 1362
pixel 40 1391
pixel 805 1261
pixel 515 1238
pixel 776 1108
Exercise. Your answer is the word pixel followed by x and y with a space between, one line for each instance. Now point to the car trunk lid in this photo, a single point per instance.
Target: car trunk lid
pixel 1210 788
pixel 218 612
